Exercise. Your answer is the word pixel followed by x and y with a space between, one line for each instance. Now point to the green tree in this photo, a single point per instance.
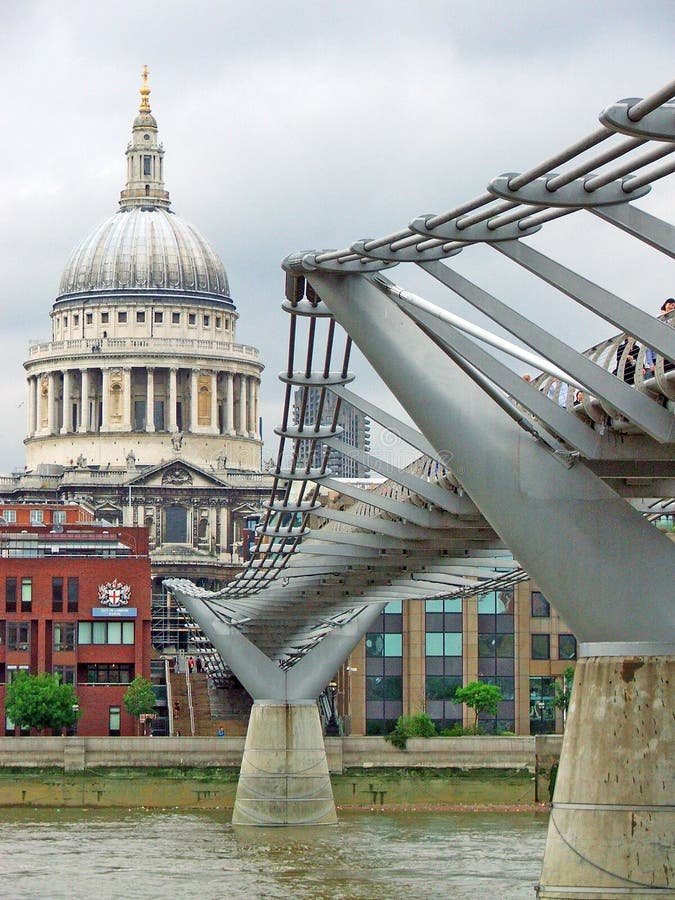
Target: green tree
pixel 140 698
pixel 563 692
pixel 480 697
pixel 40 702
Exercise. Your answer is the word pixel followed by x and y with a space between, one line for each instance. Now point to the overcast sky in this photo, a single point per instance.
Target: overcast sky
pixel 300 125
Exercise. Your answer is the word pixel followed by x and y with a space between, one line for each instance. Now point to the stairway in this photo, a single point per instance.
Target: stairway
pixel 231 717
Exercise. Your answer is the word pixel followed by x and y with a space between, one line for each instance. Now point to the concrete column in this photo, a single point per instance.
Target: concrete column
pixel 105 399
pixel 150 401
pixel 284 776
pixel 51 403
pixel 242 406
pixel 229 403
pixel 606 838
pixel 414 656
pixel 194 399
pixel 256 411
pixel 126 415
pixel 214 402
pixel 65 404
pixel 83 424
pixel 173 396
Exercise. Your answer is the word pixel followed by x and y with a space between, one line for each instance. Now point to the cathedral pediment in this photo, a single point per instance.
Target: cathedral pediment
pixel 178 473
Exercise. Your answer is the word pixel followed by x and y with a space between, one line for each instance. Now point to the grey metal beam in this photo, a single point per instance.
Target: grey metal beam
pixel 626 317
pixel 407 531
pixel 637 222
pixel 391 423
pixel 640 409
pixel 427 490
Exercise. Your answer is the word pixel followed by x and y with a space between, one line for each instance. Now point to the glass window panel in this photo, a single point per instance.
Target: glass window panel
pixel 487 667
pixel 505 666
pixel 434 606
pixel 434 664
pixel 98 632
pixel 540 646
pixel 434 644
pixel 435 687
pixel 486 645
pixel 453 665
pixel 84 632
pixel 393 665
pixel 567 646
pixel 114 633
pixel 393 623
pixel 433 622
pixel 394 606
pixel 504 645
pixel 540 606
pixel 452 622
pixel 453 606
pixel 393 687
pixel 453 644
pixel 127 632
pixel 375 688
pixel 487 603
pixel 374 644
pixel 393 645
pixel 504 602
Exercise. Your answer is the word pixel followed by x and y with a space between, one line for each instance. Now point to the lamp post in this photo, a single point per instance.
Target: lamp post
pixel 332 726
pixel 76 710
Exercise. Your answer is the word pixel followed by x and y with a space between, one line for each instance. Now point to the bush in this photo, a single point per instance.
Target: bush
pixel 458 730
pixel 418 725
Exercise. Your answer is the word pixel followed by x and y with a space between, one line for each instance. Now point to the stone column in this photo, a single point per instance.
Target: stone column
pixel 256 408
pixel 250 402
pixel 194 400
pixel 51 403
pixel 32 405
pixel 242 430
pixel 229 403
pixel 65 403
pixel 126 415
pixel 214 402
pixel 612 821
pixel 284 776
pixel 83 424
pixel 150 401
pixel 105 399
pixel 173 397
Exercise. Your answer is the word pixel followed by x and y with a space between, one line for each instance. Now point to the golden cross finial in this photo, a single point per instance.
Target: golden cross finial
pixel 145 93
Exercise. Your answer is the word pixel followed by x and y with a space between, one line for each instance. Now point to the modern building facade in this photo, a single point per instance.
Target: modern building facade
pixel 422 651
pixel 355 431
pixel 75 600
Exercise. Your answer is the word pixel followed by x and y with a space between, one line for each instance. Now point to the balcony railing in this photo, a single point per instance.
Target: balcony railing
pixel 133 346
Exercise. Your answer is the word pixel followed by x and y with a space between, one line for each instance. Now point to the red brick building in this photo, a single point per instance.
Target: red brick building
pixel 75 599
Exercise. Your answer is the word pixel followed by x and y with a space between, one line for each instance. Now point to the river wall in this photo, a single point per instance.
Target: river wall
pixel 202 772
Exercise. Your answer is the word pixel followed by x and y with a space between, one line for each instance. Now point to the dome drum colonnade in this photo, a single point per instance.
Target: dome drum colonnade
pixel 143 339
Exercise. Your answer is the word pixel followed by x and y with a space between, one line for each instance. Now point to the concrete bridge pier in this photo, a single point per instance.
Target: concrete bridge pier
pixel 613 816
pixel 284 777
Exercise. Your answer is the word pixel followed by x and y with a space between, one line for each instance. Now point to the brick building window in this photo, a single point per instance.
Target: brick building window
pixel 73 593
pixel 10 594
pixel 541 608
pixel 26 594
pixel 65 673
pixel 541 646
pixel 567 646
pixel 114 721
pixel 64 636
pixel 57 593
pixel 105 633
pixel 110 673
pixel 18 636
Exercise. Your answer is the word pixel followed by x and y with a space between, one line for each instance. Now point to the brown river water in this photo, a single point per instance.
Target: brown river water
pixel 100 854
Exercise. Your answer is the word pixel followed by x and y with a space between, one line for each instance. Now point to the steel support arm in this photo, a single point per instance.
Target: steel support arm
pixel 607 570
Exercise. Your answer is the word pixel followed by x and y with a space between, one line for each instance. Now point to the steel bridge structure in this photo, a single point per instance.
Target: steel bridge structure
pixel 509 471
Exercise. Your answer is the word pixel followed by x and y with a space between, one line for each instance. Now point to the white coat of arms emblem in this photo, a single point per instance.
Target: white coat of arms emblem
pixel 114 593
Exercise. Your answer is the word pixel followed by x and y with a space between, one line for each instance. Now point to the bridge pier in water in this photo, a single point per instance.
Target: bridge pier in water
pixel 284 778
pixel 613 814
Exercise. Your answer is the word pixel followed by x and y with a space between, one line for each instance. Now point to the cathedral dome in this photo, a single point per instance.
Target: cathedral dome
pixel 144 248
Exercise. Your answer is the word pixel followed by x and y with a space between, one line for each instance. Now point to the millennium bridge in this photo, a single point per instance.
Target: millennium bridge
pixel 509 471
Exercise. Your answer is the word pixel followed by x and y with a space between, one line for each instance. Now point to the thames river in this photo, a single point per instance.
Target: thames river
pixel 115 854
